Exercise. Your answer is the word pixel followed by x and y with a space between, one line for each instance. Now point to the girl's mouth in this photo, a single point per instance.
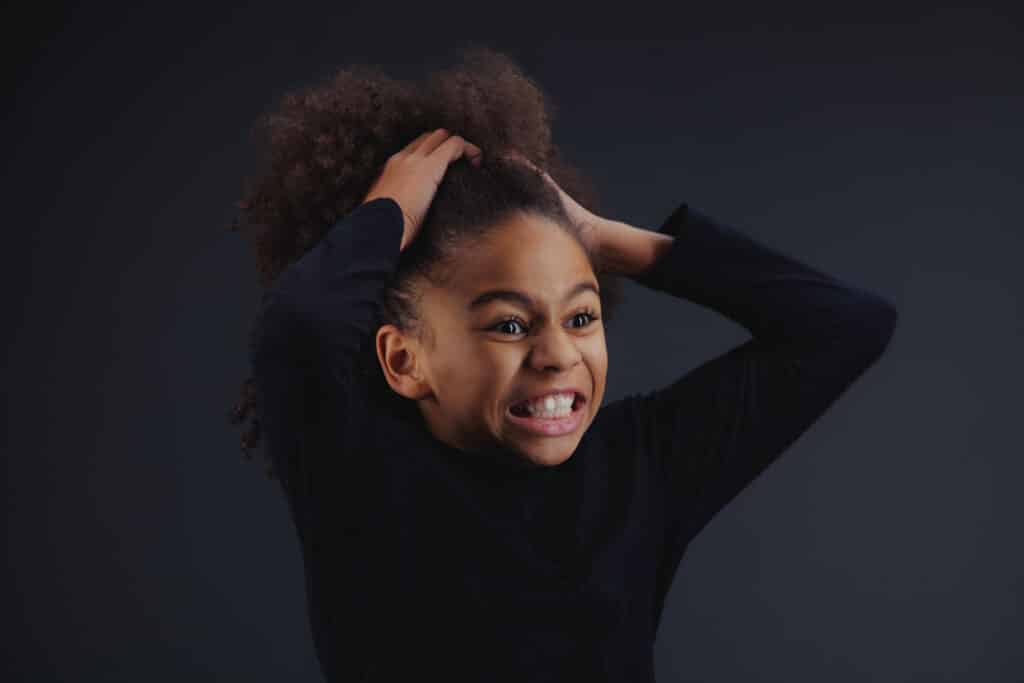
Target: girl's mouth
pixel 548 426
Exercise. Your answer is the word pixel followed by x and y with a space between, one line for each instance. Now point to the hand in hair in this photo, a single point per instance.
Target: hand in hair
pixel 411 175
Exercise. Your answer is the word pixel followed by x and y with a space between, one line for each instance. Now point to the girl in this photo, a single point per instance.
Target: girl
pixel 429 365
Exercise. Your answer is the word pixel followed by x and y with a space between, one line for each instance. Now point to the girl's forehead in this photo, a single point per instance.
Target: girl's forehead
pixel 528 288
pixel 525 244
pixel 530 256
pixel 526 253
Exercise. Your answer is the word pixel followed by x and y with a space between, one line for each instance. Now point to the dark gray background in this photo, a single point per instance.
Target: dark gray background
pixel 881 146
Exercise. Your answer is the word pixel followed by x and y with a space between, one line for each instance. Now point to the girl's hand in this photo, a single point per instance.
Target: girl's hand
pixel 590 223
pixel 411 175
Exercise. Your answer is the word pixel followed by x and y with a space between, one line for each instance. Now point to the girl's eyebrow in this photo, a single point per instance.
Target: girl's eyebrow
pixel 524 299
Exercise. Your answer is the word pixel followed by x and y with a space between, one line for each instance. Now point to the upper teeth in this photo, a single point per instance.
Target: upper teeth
pixel 554 404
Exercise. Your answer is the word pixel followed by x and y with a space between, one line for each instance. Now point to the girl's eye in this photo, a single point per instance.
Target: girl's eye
pixel 509 321
pixel 588 316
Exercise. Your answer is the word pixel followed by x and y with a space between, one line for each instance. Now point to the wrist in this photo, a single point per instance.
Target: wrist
pixel 627 249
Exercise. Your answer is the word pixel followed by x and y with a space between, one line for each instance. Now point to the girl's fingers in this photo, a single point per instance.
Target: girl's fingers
pixel 432 141
pixel 456 146
pixel 415 144
pixel 419 145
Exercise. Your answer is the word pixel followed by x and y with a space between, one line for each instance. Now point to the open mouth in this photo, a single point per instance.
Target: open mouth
pixel 520 410
pixel 548 426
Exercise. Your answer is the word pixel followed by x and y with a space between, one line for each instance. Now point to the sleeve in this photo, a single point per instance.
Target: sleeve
pixel 716 428
pixel 312 322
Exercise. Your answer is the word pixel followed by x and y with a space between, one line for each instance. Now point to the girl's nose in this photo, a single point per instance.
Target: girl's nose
pixel 554 350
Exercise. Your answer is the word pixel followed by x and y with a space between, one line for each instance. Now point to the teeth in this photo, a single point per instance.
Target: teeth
pixel 559 405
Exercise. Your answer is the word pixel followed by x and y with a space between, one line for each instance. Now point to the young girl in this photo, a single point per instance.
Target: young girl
pixel 429 367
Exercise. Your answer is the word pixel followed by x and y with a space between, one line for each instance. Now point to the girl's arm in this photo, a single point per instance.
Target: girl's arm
pixel 309 330
pixel 714 429
pixel 628 250
pixel 335 287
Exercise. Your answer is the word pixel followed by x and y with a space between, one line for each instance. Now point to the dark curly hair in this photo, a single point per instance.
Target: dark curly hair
pixel 324 146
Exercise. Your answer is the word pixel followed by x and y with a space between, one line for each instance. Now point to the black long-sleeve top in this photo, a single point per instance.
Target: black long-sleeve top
pixel 424 560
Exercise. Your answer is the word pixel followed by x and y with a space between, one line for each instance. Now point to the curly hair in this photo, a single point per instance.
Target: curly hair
pixel 325 145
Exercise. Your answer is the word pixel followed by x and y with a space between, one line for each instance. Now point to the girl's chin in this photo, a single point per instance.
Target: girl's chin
pixel 547 453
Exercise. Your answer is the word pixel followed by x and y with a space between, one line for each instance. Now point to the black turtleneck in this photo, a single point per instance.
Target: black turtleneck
pixel 424 560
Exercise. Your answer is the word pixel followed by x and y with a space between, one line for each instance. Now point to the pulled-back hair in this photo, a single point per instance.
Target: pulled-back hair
pixel 325 145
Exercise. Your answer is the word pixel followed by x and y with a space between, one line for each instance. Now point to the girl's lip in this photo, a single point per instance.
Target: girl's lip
pixel 550 426
pixel 578 396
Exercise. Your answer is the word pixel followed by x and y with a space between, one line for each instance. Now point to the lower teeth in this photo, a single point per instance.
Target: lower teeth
pixel 541 416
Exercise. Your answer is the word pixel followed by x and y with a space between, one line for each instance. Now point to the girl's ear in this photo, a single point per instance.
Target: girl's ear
pixel 398 356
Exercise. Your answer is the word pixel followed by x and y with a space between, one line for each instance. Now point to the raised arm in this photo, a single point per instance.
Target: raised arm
pixel 333 291
pixel 311 324
pixel 717 427
pixel 321 309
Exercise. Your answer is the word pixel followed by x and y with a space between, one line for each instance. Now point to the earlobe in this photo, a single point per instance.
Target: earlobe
pixel 398 363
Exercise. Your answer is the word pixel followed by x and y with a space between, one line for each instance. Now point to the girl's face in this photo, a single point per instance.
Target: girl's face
pixel 519 318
